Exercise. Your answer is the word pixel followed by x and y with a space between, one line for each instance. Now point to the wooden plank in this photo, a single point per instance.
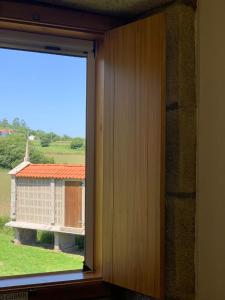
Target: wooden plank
pixel 29 17
pixel 73 203
pixel 47 29
pixel 89 162
pixel 99 91
pixel 133 203
pixel 108 159
pixel 72 286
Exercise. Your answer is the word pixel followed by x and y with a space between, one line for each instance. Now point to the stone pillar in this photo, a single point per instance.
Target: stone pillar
pixel 180 152
pixel 56 241
pixel 52 201
pixel 83 204
pixel 13 197
pixel 64 242
pixel 25 236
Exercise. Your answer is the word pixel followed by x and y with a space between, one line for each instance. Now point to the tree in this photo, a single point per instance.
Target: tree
pixel 37 157
pixel 16 122
pixel 45 140
pixel 12 150
pixel 54 137
pixel 65 137
pixel 4 123
pixel 77 143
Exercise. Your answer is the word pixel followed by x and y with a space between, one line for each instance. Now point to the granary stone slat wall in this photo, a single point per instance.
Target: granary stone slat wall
pixel 33 201
pixel 59 202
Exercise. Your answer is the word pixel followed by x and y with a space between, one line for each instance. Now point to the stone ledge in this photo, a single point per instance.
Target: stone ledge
pixel 52 228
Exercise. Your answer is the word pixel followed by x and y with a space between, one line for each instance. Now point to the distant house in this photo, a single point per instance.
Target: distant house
pixel 5 132
pixel 31 137
pixel 47 197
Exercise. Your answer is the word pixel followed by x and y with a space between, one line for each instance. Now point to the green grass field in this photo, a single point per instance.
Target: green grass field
pixel 20 260
pixel 62 153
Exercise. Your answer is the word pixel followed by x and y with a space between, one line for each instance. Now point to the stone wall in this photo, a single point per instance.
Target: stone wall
pixel 180 153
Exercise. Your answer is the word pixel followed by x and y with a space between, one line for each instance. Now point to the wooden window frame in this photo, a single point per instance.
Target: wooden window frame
pixel 70 23
pixel 62 45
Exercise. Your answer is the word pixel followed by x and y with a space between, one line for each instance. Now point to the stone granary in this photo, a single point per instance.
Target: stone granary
pixel 48 197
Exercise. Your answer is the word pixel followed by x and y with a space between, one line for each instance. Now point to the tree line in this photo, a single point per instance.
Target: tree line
pixel 12 147
pixel 45 138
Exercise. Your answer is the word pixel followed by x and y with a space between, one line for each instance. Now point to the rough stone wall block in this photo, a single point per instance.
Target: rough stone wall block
pixel 180 153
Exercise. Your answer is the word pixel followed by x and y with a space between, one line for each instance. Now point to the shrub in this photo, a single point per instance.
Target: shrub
pixel 45 237
pixel 3 228
pixel 12 150
pixel 3 221
pixel 45 141
pixel 80 242
pixel 77 143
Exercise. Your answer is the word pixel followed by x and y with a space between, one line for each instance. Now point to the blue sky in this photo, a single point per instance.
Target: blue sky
pixel 47 91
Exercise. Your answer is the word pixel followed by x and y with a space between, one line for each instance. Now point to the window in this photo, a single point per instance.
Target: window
pixel 47 203
pixel 129 168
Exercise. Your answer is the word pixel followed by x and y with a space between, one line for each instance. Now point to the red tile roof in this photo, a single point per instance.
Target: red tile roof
pixel 57 171
pixel 6 131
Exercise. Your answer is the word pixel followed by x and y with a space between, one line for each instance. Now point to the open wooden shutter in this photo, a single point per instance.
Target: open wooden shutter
pixel 133 156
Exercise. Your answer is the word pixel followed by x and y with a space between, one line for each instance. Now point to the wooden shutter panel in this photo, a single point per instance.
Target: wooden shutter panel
pixel 133 156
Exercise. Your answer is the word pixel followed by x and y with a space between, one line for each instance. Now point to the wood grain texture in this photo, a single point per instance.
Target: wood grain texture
pixel 99 92
pixel 90 288
pixel 45 19
pixel 73 204
pixel 133 189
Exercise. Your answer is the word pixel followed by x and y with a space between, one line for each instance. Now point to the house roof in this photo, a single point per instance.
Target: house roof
pixel 56 171
pixel 6 131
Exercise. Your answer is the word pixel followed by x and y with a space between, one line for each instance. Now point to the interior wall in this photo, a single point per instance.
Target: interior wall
pixel 211 151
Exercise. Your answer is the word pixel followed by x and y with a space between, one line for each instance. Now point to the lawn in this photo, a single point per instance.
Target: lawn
pixel 20 260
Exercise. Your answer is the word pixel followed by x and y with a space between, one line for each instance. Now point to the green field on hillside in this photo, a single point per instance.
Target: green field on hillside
pixel 62 153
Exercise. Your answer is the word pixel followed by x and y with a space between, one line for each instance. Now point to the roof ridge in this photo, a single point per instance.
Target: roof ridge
pixel 59 171
pixel 65 165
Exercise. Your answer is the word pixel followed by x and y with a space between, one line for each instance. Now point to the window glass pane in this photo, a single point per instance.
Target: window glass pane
pixel 42 162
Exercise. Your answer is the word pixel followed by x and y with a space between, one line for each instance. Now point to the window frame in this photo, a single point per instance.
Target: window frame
pixel 53 44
